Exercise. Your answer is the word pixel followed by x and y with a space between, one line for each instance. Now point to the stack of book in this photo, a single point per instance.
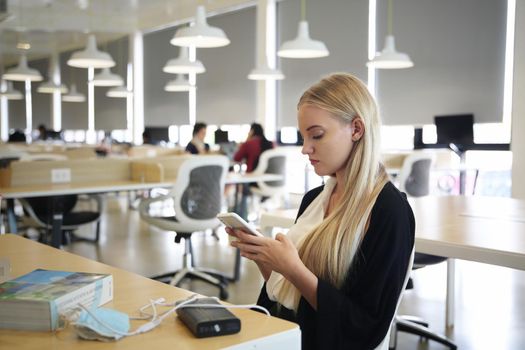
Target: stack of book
pixel 37 300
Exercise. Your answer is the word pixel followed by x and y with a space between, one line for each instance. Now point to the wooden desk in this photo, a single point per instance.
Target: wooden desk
pixel 11 193
pixel 489 230
pixel 131 291
pixel 43 190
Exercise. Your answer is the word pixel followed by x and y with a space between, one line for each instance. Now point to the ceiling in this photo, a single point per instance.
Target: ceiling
pixel 59 25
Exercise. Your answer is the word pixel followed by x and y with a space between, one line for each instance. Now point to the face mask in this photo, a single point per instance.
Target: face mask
pixel 101 324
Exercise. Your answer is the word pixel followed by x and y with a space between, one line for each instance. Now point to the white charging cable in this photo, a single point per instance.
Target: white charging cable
pixel 155 319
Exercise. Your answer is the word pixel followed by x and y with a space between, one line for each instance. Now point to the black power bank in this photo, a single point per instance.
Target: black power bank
pixel 207 321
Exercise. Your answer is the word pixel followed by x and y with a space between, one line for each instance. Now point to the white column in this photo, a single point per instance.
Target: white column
pixel 129 99
pixel 56 103
pixel 4 114
pixel 266 103
pixel 29 111
pixel 270 116
pixel 192 94
pixel 91 137
pixel 518 105
pixel 372 19
pixel 136 43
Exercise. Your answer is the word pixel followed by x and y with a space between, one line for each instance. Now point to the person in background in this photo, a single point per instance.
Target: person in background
pixel 146 138
pixel 17 136
pixel 251 150
pixel 42 132
pixel 340 270
pixel 197 145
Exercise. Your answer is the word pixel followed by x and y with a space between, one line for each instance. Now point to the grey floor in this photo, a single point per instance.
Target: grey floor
pixel 490 300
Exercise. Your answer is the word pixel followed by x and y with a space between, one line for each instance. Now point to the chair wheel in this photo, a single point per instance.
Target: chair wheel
pixel 223 292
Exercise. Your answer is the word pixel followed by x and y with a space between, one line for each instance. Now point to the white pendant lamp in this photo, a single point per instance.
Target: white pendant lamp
pixel 303 46
pixel 179 84
pixel 389 58
pixel 49 87
pixel 200 34
pixel 265 73
pixel 106 78
pixel 22 72
pixel 118 92
pixel 11 93
pixel 91 57
pixel 73 95
pixel 183 65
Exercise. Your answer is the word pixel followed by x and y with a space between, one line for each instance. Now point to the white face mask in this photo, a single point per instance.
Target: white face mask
pixel 102 324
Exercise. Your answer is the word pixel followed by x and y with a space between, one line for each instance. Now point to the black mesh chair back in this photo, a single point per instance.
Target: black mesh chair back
pixel 202 198
pixel 417 184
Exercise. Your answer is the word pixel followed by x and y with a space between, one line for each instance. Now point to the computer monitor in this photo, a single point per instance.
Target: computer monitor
pixel 457 129
pixel 157 134
pixel 289 136
pixel 221 136
pixel 53 135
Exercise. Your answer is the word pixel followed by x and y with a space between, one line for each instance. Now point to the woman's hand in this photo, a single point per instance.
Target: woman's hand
pixel 277 254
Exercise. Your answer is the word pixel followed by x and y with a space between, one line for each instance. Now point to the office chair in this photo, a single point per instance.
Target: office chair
pixel 39 214
pixel 272 161
pixel 414 180
pixel 197 197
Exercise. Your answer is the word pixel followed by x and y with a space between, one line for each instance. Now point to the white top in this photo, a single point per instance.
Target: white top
pixel 308 221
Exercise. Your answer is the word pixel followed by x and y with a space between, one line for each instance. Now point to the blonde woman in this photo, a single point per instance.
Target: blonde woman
pixel 341 268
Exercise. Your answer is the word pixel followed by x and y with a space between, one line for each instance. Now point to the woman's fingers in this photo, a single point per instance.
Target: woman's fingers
pixel 247 247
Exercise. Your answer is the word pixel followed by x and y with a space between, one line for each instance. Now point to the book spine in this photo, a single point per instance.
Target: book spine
pixel 94 294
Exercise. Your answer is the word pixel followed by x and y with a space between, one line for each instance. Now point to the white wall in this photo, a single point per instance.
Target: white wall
pixel 518 107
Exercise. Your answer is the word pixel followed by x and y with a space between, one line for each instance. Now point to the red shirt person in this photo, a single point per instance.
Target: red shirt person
pixel 251 150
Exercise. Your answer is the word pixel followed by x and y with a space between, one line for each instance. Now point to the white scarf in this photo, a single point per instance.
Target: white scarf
pixel 306 223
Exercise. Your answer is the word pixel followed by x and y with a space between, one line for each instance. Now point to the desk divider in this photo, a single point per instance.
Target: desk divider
pixel 158 169
pixel 19 173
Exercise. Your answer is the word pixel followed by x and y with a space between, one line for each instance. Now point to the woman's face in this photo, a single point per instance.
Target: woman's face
pixel 327 140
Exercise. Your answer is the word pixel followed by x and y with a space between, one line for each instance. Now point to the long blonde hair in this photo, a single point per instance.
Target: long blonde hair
pixel 329 249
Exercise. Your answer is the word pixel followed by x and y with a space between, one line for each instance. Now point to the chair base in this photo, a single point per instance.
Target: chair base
pixel 417 326
pixel 212 277
pixel 68 236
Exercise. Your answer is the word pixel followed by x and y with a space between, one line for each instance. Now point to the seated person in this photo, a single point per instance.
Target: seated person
pixel 146 138
pixel 42 132
pixel 251 150
pixel 17 136
pixel 197 145
pixel 340 269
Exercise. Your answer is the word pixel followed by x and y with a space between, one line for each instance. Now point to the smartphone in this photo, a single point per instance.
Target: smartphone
pixel 235 221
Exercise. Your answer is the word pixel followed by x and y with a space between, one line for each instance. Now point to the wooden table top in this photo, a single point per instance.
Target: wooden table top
pixel 484 229
pixel 131 291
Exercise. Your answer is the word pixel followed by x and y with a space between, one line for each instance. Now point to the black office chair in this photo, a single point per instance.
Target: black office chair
pixel 414 180
pixel 196 198
pixel 39 214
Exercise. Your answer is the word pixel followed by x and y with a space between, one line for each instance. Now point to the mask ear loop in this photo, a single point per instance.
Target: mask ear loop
pixel 156 320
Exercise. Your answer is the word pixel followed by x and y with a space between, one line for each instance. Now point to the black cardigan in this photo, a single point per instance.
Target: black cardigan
pixel 358 315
